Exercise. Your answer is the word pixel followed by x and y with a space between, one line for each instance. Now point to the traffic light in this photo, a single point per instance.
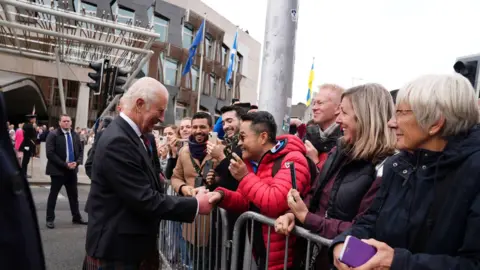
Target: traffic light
pixel 119 80
pixel 97 76
pixel 468 66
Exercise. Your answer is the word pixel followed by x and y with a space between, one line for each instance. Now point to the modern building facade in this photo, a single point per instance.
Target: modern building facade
pixel 30 81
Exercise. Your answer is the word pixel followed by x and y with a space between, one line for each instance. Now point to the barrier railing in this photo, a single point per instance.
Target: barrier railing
pixel 185 246
pixel 201 245
pixel 298 231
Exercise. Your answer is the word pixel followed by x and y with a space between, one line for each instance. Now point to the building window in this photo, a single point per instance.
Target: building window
pixel 187 38
pixel 171 70
pixel 213 86
pixel 238 64
pixel 224 55
pixel 195 79
pixel 150 15
pixel 161 27
pixel 72 94
pixel 208 46
pixel 145 69
pixel 123 16
pixel 89 9
pixel 180 112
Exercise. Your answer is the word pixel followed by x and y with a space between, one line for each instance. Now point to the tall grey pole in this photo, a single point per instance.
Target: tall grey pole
pixel 202 48
pixel 60 82
pixel 278 61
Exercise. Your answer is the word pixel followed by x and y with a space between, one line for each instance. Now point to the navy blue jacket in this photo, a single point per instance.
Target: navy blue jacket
pixel 402 203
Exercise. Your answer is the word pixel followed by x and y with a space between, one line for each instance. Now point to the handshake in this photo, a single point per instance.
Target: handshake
pixel 207 200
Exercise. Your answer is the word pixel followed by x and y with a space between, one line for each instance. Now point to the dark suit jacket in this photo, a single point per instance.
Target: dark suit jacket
pixel 156 160
pixel 21 247
pixel 126 200
pixel 56 148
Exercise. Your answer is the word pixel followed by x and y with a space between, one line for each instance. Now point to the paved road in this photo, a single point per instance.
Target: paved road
pixel 64 246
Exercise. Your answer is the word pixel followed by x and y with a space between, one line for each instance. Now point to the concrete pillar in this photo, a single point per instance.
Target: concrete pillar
pixel 81 119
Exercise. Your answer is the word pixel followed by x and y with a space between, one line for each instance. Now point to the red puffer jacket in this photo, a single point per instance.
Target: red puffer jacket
pixel 269 194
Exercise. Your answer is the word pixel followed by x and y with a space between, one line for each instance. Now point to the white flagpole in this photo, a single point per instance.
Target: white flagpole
pixel 234 69
pixel 200 80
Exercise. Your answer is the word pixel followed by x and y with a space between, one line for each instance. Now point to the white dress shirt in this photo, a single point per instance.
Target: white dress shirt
pixel 137 131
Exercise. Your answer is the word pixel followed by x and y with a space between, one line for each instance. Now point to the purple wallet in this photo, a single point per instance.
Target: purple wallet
pixel 355 252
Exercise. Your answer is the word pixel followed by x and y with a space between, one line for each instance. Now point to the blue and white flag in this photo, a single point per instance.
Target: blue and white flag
pixel 233 52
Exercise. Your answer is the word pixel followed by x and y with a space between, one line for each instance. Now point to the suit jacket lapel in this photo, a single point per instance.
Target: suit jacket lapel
pixel 141 147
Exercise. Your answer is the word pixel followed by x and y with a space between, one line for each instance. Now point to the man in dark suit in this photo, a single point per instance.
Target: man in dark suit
pixel 126 200
pixel 20 243
pixel 28 145
pixel 64 154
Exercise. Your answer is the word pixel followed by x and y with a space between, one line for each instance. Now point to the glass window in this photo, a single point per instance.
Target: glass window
pixel 123 16
pixel 150 15
pixel 194 79
pixel 145 69
pixel 208 47
pixel 171 68
pixel 180 113
pixel 224 55
pixel 238 64
pixel 213 85
pixel 89 9
pixel 187 38
pixel 161 27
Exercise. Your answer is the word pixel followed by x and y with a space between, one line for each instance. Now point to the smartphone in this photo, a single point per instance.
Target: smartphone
pixel 291 166
pixel 163 140
pixel 355 252
pixel 207 167
pixel 213 137
pixel 198 181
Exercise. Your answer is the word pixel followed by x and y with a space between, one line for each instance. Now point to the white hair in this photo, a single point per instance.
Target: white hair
pixel 432 97
pixel 146 88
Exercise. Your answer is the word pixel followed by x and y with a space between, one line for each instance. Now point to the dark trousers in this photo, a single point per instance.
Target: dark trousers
pixel 69 180
pixel 27 155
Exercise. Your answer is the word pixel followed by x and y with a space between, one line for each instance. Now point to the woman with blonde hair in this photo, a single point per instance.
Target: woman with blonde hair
pixel 426 214
pixel 348 181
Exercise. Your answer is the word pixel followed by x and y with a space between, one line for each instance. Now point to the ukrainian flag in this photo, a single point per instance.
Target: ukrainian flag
pixel 310 82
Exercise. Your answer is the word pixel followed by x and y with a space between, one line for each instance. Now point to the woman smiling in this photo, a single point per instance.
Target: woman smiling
pixel 426 214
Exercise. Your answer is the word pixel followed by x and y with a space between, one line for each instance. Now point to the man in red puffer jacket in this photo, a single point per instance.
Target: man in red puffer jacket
pixel 261 191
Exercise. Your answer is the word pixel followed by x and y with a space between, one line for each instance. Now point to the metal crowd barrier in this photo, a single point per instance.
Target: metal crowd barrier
pixel 206 245
pixel 253 216
pixel 201 245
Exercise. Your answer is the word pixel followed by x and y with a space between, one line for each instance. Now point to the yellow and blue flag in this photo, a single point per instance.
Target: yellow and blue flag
pixel 310 82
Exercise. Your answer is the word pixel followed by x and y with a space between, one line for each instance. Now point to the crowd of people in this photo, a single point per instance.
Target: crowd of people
pixel 398 171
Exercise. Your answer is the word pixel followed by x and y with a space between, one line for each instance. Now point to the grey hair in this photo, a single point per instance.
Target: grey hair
pixel 432 97
pixel 146 88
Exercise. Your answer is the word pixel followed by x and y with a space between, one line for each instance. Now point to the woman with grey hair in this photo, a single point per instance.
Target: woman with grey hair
pixel 426 214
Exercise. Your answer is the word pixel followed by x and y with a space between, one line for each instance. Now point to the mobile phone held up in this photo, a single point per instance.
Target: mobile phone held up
pixel 213 137
pixel 293 175
pixel 355 252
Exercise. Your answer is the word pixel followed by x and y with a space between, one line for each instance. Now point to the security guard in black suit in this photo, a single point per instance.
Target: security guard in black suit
pixel 28 145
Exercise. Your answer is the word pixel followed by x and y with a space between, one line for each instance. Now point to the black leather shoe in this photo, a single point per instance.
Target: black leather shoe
pixel 79 222
pixel 50 224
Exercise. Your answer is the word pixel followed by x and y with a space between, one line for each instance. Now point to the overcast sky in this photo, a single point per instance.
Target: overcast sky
pixel 384 41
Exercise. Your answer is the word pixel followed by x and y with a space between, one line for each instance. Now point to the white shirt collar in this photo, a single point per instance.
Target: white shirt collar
pixel 131 123
pixel 65 131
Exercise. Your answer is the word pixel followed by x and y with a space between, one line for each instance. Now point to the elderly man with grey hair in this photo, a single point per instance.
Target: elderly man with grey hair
pixel 126 200
pixel 427 212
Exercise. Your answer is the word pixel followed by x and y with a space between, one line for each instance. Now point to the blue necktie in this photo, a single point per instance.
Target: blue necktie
pixel 71 154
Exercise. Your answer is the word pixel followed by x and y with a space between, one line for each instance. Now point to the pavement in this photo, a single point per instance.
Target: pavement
pixel 64 246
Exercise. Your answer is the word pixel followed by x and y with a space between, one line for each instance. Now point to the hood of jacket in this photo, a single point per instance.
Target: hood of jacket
pixel 285 144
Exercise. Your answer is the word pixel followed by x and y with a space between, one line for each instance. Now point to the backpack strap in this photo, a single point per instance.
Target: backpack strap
pixel 277 164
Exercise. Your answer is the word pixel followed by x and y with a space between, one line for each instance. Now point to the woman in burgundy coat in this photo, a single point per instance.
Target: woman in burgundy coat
pixel 349 179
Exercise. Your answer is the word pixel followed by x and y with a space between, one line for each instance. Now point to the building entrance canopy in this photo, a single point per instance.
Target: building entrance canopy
pixel 38 29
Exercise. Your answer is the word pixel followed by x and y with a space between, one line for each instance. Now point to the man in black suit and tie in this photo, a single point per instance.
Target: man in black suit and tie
pixel 64 154
pixel 126 200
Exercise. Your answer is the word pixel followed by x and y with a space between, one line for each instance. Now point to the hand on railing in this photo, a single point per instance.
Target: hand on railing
pixel 284 224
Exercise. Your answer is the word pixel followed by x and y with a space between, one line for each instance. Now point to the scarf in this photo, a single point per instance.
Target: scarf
pixel 197 150
pixel 325 134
